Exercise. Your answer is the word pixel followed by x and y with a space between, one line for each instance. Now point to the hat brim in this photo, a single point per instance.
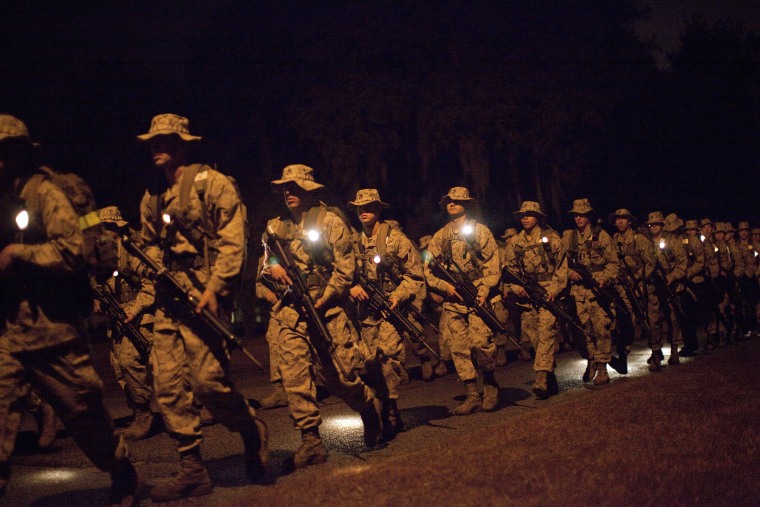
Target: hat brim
pixel 578 212
pixel 446 199
pixel 307 185
pixel 25 139
pixel 519 214
pixel 611 219
pixel 356 204
pixel 181 135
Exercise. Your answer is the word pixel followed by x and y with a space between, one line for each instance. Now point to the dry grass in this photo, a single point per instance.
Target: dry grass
pixel 686 436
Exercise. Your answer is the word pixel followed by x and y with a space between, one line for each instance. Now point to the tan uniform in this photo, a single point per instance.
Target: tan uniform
pixel 43 297
pixel 262 291
pixel 381 343
pixel 468 333
pixel 596 252
pixel 330 279
pixel 638 254
pixel 527 255
pixel 185 352
pixel 137 295
pixel 674 262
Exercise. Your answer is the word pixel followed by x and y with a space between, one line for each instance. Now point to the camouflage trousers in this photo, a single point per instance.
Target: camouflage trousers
pixel 383 352
pixel 132 371
pixel 720 316
pixel 444 338
pixel 64 375
pixel 662 319
pixel 301 363
pixel 468 335
pixel 274 354
pixel 594 318
pixel 540 329
pixel 184 364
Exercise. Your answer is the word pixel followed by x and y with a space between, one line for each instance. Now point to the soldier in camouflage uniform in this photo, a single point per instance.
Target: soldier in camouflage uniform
pixel 136 294
pixel 271 292
pixel 472 247
pixel 591 248
pixel 670 269
pixel 695 283
pixel 384 255
pixel 434 306
pixel 195 229
pixel 747 280
pixel 637 259
pixel 508 313
pixel 714 295
pixel 536 253
pixel 321 244
pixel 44 294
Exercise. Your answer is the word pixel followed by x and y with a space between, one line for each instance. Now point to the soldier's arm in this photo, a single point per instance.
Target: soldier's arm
pixel 344 261
pixel 226 213
pixel 491 264
pixel 699 262
pixel 413 280
pixel 612 263
pixel 148 233
pixel 146 296
pixel 681 262
pixel 646 250
pixel 435 283
pixel 559 277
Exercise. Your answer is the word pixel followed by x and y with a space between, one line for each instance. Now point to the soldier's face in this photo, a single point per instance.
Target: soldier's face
pixel 656 229
pixel 294 195
pixel 369 213
pixel 707 230
pixel 720 236
pixel 622 224
pixel 744 234
pixel 528 222
pixel 581 221
pixel 455 208
pixel 167 151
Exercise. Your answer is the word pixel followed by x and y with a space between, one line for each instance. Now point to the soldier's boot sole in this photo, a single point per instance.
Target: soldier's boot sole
pixel 469 406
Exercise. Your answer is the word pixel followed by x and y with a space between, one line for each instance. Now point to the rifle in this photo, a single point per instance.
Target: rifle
pixel 379 301
pixel 390 265
pixel 116 314
pixel 664 291
pixel 630 290
pixel 607 297
pixel 299 293
pixel 208 317
pixel 538 296
pixel 469 294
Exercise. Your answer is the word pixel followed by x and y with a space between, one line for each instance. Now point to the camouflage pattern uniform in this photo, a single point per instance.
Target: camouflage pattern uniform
pixel 44 293
pixel 266 289
pixel 433 305
pixel 747 281
pixel 593 250
pixel 695 296
pixel 544 262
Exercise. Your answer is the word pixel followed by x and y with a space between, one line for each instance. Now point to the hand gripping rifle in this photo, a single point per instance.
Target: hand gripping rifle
pixel 628 281
pixel 469 294
pixel 116 314
pixel 664 291
pixel 208 317
pixel 607 297
pixel 299 294
pixel 538 296
pixel 390 264
pixel 379 301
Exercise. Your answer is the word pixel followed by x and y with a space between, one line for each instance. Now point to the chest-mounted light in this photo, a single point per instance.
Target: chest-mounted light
pixel 312 235
pixel 377 259
pixel 544 239
pixel 702 238
pixel 716 248
pixel 22 219
pixel 116 273
pixel 467 230
pixel 662 244
pixel 167 218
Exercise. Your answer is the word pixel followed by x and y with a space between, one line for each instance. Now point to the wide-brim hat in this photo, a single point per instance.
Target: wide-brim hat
pixel 581 207
pixel 366 196
pixel 457 194
pixel 691 225
pixel 529 207
pixel 169 124
pixel 301 175
pixel 720 227
pixel 672 222
pixel 742 226
pixel 622 213
pixel 729 227
pixel 655 217
pixel 705 221
pixel 111 214
pixel 11 128
pixel 756 230
pixel 509 232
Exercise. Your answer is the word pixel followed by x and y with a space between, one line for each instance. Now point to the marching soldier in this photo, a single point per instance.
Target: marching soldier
pixel 536 253
pixel 44 294
pixel 385 257
pixel 321 245
pixel 695 284
pixel 271 293
pixel 433 304
pixel 194 229
pixel 748 282
pixel 589 248
pixel 467 247
pixel 670 269
pixel 508 313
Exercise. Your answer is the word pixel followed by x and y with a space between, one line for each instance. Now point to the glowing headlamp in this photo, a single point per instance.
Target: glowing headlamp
pixel 22 219
pixel 116 273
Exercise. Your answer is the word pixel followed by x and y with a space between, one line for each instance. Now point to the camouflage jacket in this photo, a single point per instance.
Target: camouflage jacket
pixel 226 237
pixel 598 255
pixel 528 256
pixel 712 263
pixel 135 292
pixel 671 255
pixel 695 256
pixel 637 252
pixel 748 252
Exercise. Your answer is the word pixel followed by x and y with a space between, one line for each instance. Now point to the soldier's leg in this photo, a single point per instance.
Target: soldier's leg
pixel 137 387
pixel 654 316
pixel 277 397
pixel 444 350
pixel 602 323
pixel 390 355
pixel 582 309
pixel 14 388
pixel 461 353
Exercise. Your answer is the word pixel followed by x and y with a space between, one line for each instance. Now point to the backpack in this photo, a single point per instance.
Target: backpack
pixel 99 249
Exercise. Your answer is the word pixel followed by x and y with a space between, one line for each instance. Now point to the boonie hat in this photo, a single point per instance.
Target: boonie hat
pixel 168 124
pixel 691 225
pixel 509 232
pixel 425 241
pixel 621 213
pixel 366 196
pixel 581 207
pixel 655 217
pixel 111 214
pixel 528 207
pixel 13 128
pixel 457 194
pixel 672 222
pixel 301 175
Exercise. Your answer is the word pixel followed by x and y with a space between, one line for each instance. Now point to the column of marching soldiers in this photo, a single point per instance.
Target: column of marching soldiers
pixel 342 303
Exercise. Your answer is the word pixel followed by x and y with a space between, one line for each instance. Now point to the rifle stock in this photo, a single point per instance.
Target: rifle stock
pixel 117 315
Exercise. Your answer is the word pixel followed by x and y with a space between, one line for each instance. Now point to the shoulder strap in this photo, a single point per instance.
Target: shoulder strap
pixel 382 238
pixel 31 194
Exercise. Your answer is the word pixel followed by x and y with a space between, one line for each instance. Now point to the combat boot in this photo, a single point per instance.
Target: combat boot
pixel 471 403
pixel 426 368
pixel 525 353
pixel 404 376
pixel 392 423
pixel 490 392
pixel 541 385
pixel 441 369
pixel 275 399
pixel 5 475
pixel 501 355
pixel 712 339
pixel 654 362
pixel 312 450
pixel 602 377
pixel 141 424
pixel 47 425
pixel 552 384
pixel 372 417
pixel 674 359
pixel 191 480
pixel 590 372
pixel 256 448
pixel 125 484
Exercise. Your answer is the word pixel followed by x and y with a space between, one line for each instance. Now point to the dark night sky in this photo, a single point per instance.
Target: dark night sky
pixel 87 79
